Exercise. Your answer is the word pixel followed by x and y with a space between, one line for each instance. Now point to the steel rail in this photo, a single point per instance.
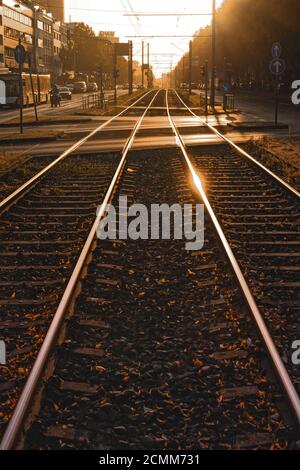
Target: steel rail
pixel 65 154
pixel 20 411
pixel 278 365
pixel 240 150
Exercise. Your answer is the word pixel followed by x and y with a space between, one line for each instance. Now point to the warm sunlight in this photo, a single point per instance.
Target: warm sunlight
pixel 110 16
pixel 150 235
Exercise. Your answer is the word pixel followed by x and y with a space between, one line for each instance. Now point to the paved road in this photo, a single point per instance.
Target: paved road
pixel 102 142
pixel 67 107
pixel 259 107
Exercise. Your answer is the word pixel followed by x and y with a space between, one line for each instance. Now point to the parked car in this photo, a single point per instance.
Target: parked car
pixel 80 87
pixel 65 93
pixel 70 86
pixel 92 87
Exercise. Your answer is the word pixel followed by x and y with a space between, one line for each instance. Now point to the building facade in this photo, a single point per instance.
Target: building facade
pixel 56 7
pixel 109 36
pixel 44 41
pixel 42 35
pixel 17 23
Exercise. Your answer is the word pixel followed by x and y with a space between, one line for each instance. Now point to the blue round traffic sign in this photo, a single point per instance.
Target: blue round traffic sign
pixel 225 87
pixel 276 50
pixel 277 66
pixel 20 54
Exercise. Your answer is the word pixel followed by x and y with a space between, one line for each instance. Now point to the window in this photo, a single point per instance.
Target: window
pixel 40 25
pixel 9 52
pixel 14 34
pixel 40 42
pixel 1 40
pixel 47 27
pixel 15 15
pixel 47 43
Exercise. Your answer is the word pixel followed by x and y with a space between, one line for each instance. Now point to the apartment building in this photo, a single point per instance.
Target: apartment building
pixel 44 41
pixel 16 22
pixel 40 32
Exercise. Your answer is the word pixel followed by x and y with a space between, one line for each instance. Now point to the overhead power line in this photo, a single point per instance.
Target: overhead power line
pixel 166 14
pixel 168 36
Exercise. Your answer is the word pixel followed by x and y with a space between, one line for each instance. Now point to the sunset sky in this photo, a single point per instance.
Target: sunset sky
pixel 104 15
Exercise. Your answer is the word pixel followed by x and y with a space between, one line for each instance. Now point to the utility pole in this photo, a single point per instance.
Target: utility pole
pixel 206 87
pixel 142 64
pixel 29 58
pixel 190 67
pixel 101 85
pixel 115 73
pixel 130 72
pixel 183 70
pixel 20 55
pixel 148 61
pixel 213 54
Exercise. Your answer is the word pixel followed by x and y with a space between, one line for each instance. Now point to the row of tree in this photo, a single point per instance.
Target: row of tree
pixel 245 32
pixel 86 51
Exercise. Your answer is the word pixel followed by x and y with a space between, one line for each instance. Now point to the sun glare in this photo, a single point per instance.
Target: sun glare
pixel 168 36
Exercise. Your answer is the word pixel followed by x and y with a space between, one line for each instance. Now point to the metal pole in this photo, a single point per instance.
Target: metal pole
pixel 148 61
pixel 32 88
pixel 213 54
pixel 130 72
pixel 142 64
pixel 206 87
pixel 101 85
pixel 21 93
pixel 276 100
pixel 190 67
pixel 21 97
pixel 115 74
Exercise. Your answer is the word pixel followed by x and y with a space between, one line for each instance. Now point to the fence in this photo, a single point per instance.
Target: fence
pixel 92 101
pixel 228 102
pixel 95 100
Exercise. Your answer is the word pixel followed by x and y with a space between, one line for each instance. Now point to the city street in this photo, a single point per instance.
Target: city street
pixel 257 107
pixel 67 107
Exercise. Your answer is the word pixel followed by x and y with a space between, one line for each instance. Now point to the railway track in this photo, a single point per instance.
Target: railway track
pixel 44 225
pixel 153 346
pixel 259 213
pixel 20 177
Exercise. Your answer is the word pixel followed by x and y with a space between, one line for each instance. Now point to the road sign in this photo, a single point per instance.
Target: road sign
pixel 121 48
pixel 20 54
pixel 276 50
pixel 277 66
pixel 225 87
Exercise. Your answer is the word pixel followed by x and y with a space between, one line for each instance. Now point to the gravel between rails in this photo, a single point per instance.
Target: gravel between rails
pixel 41 237
pixel 158 353
pixel 22 172
pixel 261 222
